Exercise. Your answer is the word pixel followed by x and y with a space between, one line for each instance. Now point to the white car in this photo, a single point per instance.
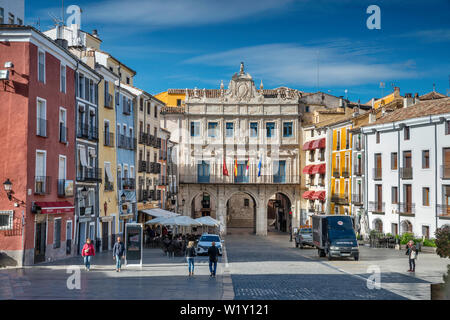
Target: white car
pixel 205 242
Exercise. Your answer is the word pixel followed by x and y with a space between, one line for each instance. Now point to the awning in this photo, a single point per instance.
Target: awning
pixel 307 145
pixel 83 159
pixel 318 195
pixel 159 213
pixel 318 144
pixel 318 168
pixel 55 207
pixel 109 173
pixel 307 169
pixel 130 196
pixel 307 194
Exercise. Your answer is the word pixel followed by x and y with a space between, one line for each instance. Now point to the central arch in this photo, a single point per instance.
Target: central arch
pixel 241 213
pixel 279 212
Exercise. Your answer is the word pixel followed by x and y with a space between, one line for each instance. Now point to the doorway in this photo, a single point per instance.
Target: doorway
pixel 105 227
pixel 39 249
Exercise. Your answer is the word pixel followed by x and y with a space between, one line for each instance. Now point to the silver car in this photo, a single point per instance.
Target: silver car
pixel 206 241
pixel 304 237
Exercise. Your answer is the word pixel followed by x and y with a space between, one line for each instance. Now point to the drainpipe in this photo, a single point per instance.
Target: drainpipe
pixel 398 180
pixel 97 196
pixel 435 173
pixel 76 219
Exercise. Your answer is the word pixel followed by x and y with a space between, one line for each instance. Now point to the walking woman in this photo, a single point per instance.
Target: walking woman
pixel 87 252
pixel 190 254
pixel 411 252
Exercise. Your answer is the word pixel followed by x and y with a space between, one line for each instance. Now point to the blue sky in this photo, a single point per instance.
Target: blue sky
pixel 198 43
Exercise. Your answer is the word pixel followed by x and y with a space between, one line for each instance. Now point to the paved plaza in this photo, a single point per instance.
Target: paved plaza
pixel 252 268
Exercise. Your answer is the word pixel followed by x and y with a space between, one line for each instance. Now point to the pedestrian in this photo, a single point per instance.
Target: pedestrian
pixel 213 254
pixel 190 254
pixel 118 253
pixel 411 252
pixel 87 252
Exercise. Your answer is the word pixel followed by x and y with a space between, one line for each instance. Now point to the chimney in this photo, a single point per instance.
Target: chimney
pixel 95 33
pixel 372 117
pixel 60 37
pixel 372 102
pixel 341 102
pixel 408 100
pixel 396 91
pixel 416 98
pixel 355 111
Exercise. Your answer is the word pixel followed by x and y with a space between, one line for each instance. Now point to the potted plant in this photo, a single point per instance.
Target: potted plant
pixel 441 291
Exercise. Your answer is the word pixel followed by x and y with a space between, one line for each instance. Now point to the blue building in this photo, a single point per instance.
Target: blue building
pixel 126 156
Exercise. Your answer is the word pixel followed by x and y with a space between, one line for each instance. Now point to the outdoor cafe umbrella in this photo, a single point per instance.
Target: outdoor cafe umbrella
pixel 208 221
pixel 158 220
pixel 182 221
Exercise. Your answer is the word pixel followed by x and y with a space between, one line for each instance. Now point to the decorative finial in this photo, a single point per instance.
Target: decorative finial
pixel 242 68
pixel 261 86
pixel 221 84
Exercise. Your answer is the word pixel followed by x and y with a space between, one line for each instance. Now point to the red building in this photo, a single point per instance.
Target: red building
pixel 37 147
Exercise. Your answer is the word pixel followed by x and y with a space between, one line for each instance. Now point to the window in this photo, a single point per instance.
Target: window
pixel 229 129
pixel 246 202
pixel 312 133
pixel 128 80
pixel 57 233
pixel 141 105
pixel 2 15
pixel 447 127
pixel 307 109
pixel 178 102
pixel 40 181
pixel 195 129
pixel 6 219
pixel 426 196
pixel 394 195
pixel 155 111
pixel 394 161
pixel 426 232
pixel 149 107
pixel 287 129
pixel 81 84
pixel 253 129
pixel 406 133
pixel 11 18
pixel 63 78
pixel 425 159
pixel 270 129
pixel 41 66
pixel 41 116
pixel 212 129
pixel 378 137
pixel 338 140
pixel 62 125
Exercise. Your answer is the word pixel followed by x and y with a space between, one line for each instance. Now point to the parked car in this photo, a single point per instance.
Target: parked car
pixel 205 242
pixel 304 237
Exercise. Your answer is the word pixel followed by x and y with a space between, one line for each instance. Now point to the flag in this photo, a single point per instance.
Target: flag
pixel 246 169
pixel 235 167
pixel 259 168
pixel 224 170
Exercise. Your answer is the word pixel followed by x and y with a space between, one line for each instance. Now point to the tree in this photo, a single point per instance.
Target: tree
pixel 443 241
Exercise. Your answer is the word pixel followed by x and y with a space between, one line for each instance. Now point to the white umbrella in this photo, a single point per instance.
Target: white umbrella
pixel 208 221
pixel 184 221
pixel 158 220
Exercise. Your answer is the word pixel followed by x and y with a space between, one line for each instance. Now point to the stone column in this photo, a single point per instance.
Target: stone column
pixel 221 215
pixel 261 218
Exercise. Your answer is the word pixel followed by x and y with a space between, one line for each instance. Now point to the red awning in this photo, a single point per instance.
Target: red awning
pixel 318 168
pixel 318 195
pixel 307 169
pixel 318 144
pixel 55 207
pixel 308 194
pixel 307 145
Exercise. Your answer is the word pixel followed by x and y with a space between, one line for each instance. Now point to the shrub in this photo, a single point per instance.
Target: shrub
pixel 443 241
pixel 429 243
pixel 406 237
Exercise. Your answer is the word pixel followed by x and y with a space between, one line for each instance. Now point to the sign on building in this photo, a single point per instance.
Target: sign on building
pixel 133 244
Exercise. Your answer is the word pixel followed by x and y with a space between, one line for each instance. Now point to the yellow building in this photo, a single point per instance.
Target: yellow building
pixel 387 99
pixel 172 97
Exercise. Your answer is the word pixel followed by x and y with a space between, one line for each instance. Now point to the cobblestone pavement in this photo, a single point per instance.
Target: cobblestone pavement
pixel 252 268
pixel 272 268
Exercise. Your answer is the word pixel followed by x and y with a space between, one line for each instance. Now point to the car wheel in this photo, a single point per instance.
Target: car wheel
pixel 296 244
pixel 321 253
pixel 301 245
pixel 329 255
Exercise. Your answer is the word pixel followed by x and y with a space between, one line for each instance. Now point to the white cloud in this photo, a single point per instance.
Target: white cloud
pixel 296 64
pixel 436 35
pixel 168 13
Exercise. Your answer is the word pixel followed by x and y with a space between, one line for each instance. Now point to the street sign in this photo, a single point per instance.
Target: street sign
pixel 133 244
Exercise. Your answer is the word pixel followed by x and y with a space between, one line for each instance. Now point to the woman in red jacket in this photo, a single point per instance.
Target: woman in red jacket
pixel 87 252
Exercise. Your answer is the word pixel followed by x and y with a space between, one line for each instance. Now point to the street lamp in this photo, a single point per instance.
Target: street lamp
pixel 7 185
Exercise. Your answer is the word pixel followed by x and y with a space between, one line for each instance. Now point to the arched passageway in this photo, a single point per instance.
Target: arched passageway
pixel 241 213
pixel 279 214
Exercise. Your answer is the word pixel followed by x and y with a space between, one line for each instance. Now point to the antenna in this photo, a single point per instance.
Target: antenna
pixel 318 68
pixel 382 86
pixel 62 12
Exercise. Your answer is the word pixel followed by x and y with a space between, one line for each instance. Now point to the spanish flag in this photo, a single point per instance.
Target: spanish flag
pixel 235 167
pixel 224 169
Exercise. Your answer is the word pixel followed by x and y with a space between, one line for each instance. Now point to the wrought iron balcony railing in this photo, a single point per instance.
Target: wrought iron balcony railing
pixel 445 172
pixel 357 199
pixel 377 174
pixel 109 139
pixel 407 208
pixel 377 207
pixel 86 131
pixel 89 174
pixel 443 210
pixel 406 173
pixel 42 185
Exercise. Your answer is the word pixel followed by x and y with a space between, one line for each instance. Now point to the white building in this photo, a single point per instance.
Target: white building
pixel 408 168
pixel 12 12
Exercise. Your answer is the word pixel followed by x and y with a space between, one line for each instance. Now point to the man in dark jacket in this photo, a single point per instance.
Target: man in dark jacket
pixel 118 251
pixel 213 254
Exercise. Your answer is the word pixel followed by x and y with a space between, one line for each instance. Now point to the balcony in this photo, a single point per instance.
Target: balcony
pixel 109 139
pixel 445 172
pixel 42 185
pixel 377 173
pixel 231 179
pixel 357 199
pixel 158 143
pixel 89 174
pixel 127 143
pixel 345 172
pixel 339 198
pixel 142 166
pixel 163 181
pixel 61 188
pixel 87 132
pixel 143 137
pixel 443 211
pixel 336 173
pixel 126 109
pixel 406 173
pixel 109 103
pixel 377 207
pixel 129 183
pixel 109 186
pixel 151 140
pixel 41 127
pixel 62 133
pixel 154 167
pixel 407 209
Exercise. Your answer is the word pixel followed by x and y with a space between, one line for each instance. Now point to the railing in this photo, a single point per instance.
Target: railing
pixel 142 166
pixel 109 101
pixel 62 133
pixel 377 174
pixel 109 186
pixel 357 199
pixel 345 172
pixel 250 179
pixel 61 188
pixel 42 185
pixel 445 172
pixel 339 199
pixel 109 139
pixel 87 132
pixel 336 173
pixel 443 210
pixel 406 173
pixel 143 138
pixel 41 127
pixel 89 174
pixel 377 207
pixel 125 142
pixel 407 208
pixel 126 108
pixel 158 143
pixel 151 140
pixel 128 183
pixel 154 167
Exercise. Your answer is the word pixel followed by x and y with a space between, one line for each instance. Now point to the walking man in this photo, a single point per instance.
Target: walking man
pixel 118 251
pixel 87 252
pixel 213 254
pixel 411 251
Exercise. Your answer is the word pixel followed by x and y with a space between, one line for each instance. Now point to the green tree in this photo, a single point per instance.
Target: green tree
pixel 443 241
